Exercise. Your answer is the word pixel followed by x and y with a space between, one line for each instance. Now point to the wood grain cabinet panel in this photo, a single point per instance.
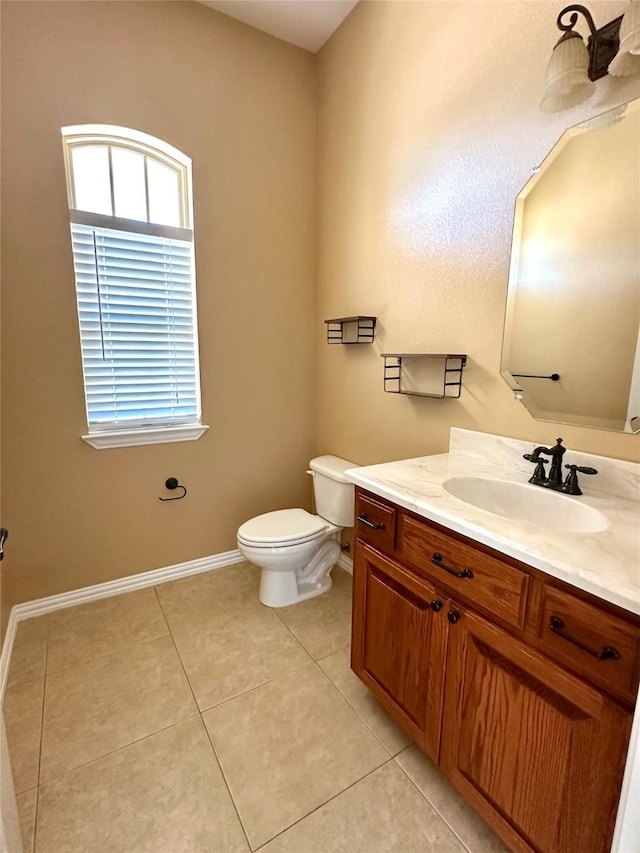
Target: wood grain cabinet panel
pixel 537 751
pixel 602 647
pixel 477 576
pixel 399 644
pixel 375 522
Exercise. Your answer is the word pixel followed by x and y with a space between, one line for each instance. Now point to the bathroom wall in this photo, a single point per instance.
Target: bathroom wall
pixel 242 105
pixel 429 126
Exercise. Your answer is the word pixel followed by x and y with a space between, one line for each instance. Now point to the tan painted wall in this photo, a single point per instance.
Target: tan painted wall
pixel 428 128
pixel 242 105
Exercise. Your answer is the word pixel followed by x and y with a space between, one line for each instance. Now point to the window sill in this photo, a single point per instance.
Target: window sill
pixel 135 437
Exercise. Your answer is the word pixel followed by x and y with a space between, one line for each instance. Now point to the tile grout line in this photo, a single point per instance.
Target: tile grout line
pixel 295 636
pixel 44 698
pixel 204 725
pixel 256 686
pixel 199 712
pixel 290 630
pixel 323 804
pixel 360 717
pixel 342 695
pixel 387 760
pixel 124 649
pixel 311 661
pixel 177 651
pixel 121 650
pixel 118 749
pixel 226 783
pixel 428 801
pixel 242 692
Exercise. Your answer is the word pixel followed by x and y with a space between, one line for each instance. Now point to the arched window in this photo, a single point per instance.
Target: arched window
pixel 132 237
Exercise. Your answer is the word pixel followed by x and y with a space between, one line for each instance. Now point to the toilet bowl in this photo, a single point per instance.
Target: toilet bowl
pixel 295 549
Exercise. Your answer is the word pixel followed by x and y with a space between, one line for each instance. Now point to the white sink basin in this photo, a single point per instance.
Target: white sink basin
pixel 524 502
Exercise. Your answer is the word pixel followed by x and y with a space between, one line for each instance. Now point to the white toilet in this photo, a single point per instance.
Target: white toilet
pixel 295 549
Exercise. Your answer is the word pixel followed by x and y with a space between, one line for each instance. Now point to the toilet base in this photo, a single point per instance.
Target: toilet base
pixel 294 573
pixel 280 589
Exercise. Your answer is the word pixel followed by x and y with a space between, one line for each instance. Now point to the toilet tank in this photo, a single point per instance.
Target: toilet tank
pixel 333 493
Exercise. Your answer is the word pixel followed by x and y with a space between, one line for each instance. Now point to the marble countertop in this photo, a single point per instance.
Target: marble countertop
pixel 606 563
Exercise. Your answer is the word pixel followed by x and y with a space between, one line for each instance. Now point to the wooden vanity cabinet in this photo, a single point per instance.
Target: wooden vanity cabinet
pixel 530 728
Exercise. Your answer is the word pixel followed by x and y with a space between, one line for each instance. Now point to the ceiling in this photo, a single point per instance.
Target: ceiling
pixel 306 23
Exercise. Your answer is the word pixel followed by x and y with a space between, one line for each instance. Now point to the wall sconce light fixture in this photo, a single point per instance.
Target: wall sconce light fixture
pixel 613 49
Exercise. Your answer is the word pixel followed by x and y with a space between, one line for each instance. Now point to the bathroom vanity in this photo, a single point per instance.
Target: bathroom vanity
pixel 508 651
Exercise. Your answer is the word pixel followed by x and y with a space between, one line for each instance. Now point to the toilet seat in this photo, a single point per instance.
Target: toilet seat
pixel 281 528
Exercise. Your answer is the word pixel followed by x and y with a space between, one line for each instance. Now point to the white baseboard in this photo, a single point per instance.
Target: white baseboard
pixel 7 649
pixel 346 563
pixel 40 606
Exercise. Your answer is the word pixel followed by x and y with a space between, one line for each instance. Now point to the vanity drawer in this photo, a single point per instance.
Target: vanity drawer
pixel 375 522
pixel 602 647
pixel 476 577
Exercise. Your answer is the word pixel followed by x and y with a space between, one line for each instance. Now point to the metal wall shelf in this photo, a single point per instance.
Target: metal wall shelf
pixel 437 375
pixel 351 330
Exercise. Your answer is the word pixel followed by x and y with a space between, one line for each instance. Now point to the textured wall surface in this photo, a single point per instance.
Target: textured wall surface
pixel 428 128
pixel 241 104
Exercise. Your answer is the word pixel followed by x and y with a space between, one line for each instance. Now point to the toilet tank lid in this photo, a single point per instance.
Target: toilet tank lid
pixel 332 466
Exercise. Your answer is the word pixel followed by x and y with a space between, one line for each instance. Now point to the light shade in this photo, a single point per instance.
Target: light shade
pixel 627 60
pixel 568 81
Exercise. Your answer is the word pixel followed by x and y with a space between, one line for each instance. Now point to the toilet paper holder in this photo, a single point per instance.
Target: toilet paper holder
pixel 172 483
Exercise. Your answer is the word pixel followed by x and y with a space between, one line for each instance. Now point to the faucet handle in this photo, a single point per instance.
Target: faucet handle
pixel 571 486
pixel 539 475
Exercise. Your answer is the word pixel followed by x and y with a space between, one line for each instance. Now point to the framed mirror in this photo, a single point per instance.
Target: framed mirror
pixel 571 346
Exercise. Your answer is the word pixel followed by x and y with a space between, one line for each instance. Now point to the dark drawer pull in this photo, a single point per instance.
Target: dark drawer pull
pixel 370 523
pixel 437 560
pixel 608 653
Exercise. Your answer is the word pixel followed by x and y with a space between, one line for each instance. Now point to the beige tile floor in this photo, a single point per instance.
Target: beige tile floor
pixel 188 717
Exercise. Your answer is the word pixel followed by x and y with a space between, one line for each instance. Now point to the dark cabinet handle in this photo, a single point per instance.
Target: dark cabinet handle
pixel 453 616
pixel 608 653
pixel 370 523
pixel 436 605
pixel 437 560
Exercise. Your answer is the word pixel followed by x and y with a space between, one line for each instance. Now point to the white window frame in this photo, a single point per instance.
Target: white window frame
pixel 137 433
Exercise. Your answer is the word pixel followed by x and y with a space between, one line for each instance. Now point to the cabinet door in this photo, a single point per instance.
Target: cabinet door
pixel 399 643
pixel 538 752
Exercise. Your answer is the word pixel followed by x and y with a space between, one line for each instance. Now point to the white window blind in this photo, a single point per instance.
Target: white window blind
pixel 137 327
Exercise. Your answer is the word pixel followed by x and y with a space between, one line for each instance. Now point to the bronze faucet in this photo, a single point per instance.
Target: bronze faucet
pixel 555 474
pixel 554 480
